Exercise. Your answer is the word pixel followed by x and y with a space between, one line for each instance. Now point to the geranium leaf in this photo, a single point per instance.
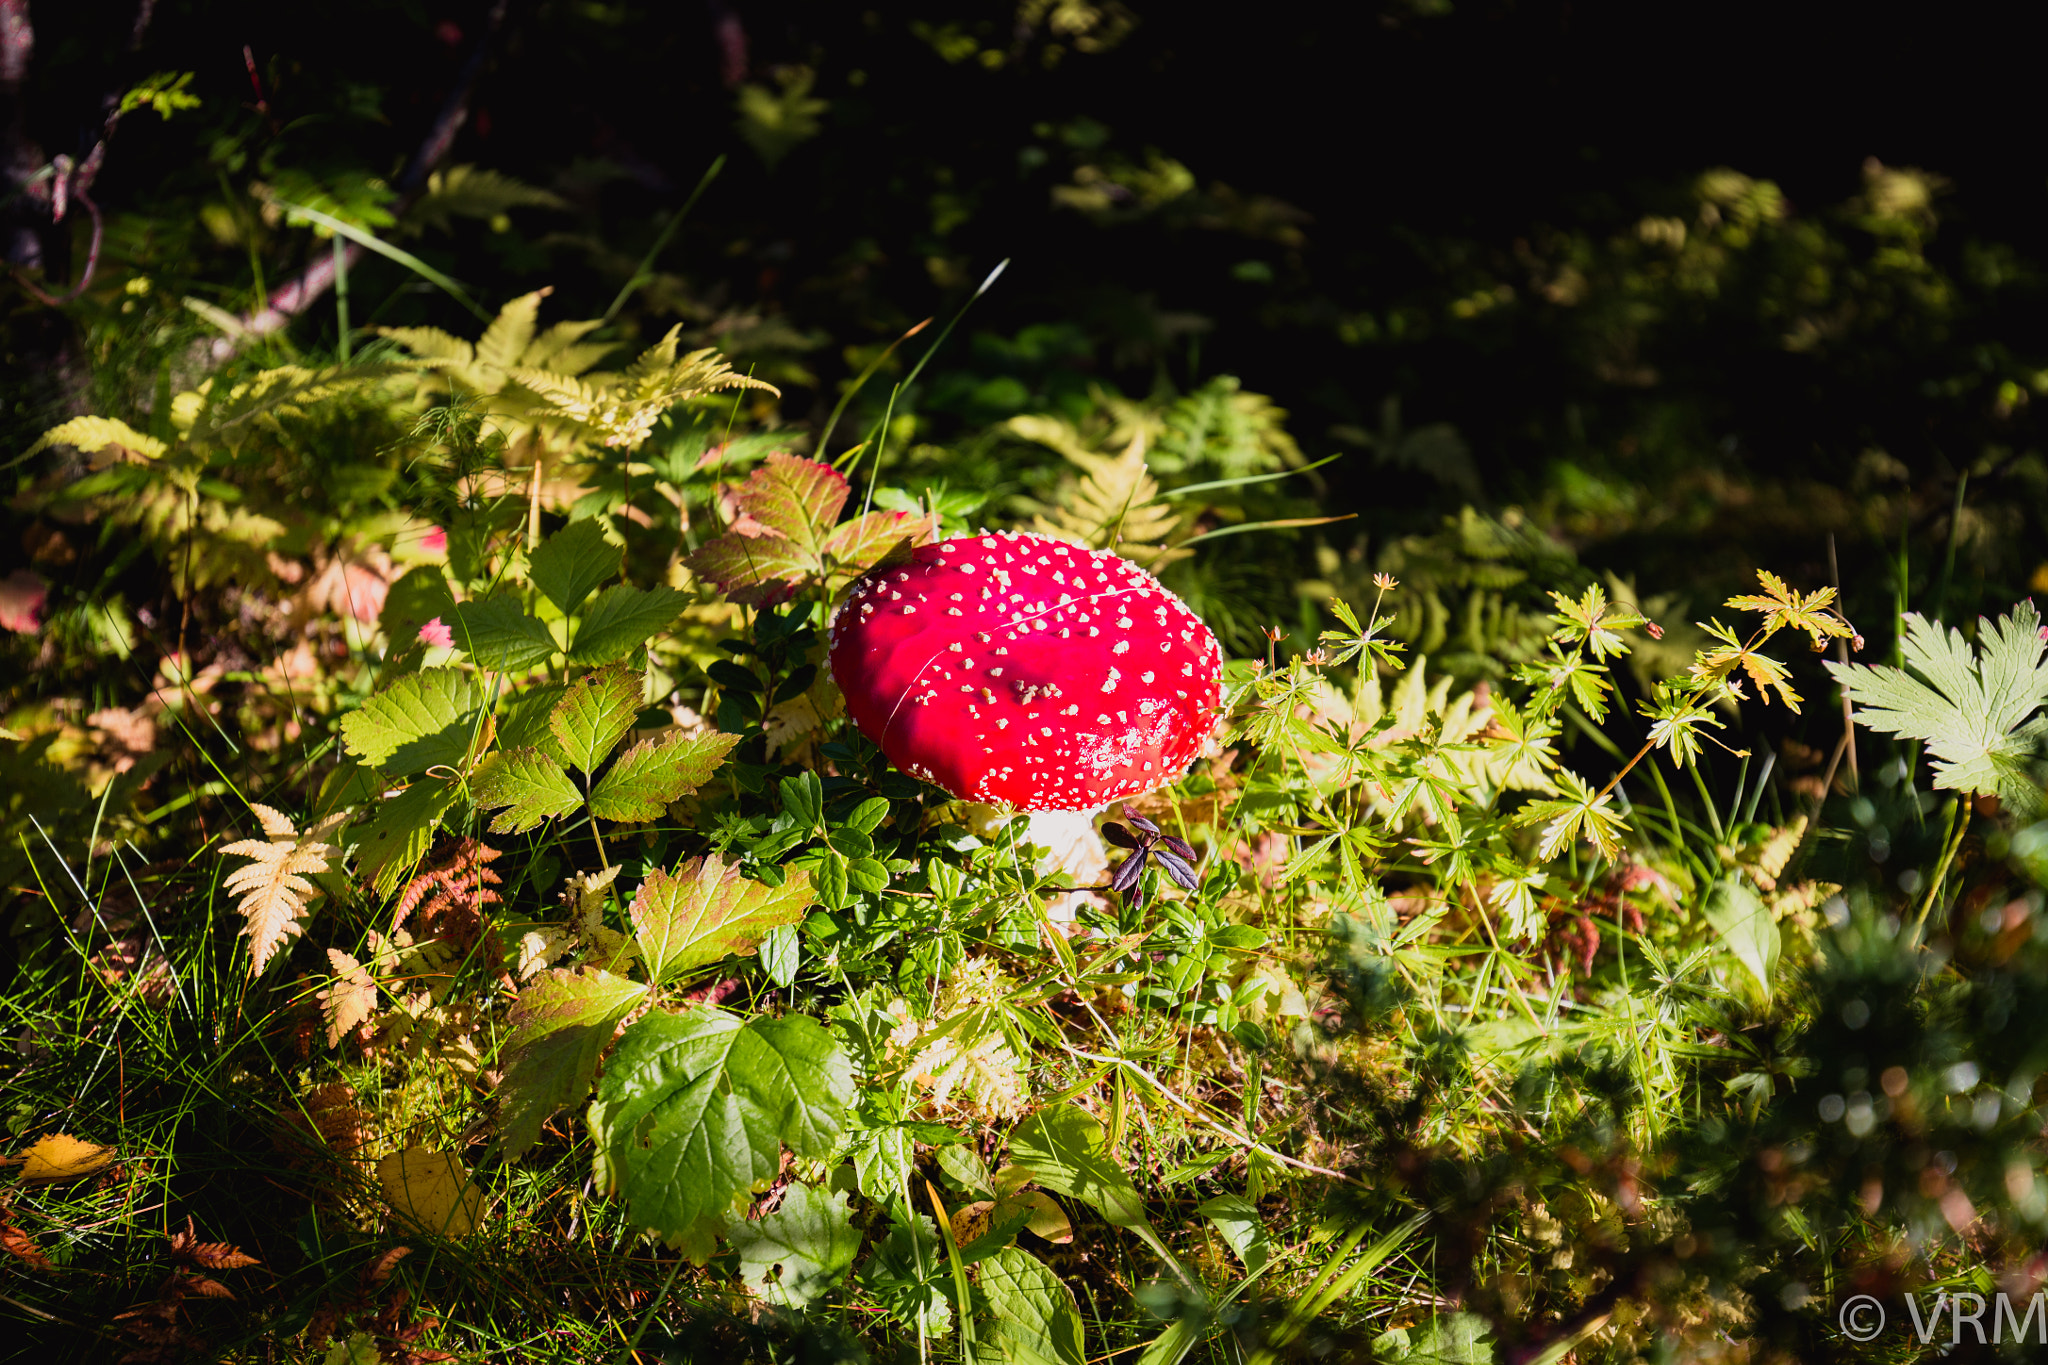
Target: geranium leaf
pixel 528 785
pixel 802 1251
pixel 706 911
pixel 655 772
pixel 570 564
pixel 1973 709
pixel 594 714
pixel 560 1024
pixel 694 1110
pixel 622 619
pixel 421 721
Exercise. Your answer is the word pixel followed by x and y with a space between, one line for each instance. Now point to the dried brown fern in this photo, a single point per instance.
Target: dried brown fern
pixel 450 897
pixel 349 1000
pixel 273 887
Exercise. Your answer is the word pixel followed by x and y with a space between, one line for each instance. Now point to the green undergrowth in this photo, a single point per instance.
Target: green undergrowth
pixel 472 930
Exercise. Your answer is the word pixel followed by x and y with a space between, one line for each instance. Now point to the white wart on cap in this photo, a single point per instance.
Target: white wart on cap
pixel 1016 668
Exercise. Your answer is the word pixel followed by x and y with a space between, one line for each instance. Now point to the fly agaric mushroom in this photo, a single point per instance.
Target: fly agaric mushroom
pixel 1020 669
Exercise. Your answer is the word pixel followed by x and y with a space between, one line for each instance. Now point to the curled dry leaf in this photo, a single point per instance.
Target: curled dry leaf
pixel 18 1243
pixel 63 1157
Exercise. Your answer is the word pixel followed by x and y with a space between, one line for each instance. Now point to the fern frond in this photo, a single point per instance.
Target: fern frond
pixel 620 410
pixel 95 435
pixel 350 1000
pixel 272 885
pixel 432 346
pixel 556 348
pixel 1114 506
pixel 505 341
pixel 282 392
pixel 473 192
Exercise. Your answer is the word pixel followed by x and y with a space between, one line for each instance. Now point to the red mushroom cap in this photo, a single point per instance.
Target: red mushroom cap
pixel 1021 669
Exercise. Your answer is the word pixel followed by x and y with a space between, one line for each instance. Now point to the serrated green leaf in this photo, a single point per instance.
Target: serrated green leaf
pixel 594 715
pixel 530 786
pixel 401 831
pixel 421 721
pixel 1028 1314
pixel 622 619
pixel 497 634
pixel 523 721
pixel 1453 1339
pixel 655 772
pixel 694 1110
pixel 882 1161
pixel 802 1251
pixel 561 1022
pixel 1972 711
pixel 570 564
pixel 706 911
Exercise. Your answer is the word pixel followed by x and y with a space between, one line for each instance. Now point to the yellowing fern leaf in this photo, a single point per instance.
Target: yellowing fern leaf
pixel 351 999
pixel 272 885
pixel 473 192
pixel 1115 506
pixel 106 437
pixel 621 410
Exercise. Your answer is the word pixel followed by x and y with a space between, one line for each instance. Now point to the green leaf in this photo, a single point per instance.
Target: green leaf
pixel 655 772
pixel 908 1276
pixel 497 634
pixel 1067 1152
pixel 421 721
pixel 781 954
pixel 571 563
pixel 401 831
pixel 1744 922
pixel 1241 1224
pixel 1972 711
pixel 523 722
pixel 803 799
pixel 882 1161
pixel 530 786
pixel 867 874
pixel 802 1251
pixel 1454 1339
pixel 594 714
pixel 708 910
pixel 694 1110
pixel 1028 1313
pixel 561 1022
pixel 622 619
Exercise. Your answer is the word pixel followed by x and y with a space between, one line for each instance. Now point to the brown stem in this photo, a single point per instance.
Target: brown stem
pixel 317 278
pixel 1615 781
pixel 92 258
pixel 1848 715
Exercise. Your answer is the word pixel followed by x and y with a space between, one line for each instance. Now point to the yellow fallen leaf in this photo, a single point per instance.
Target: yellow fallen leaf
pixel 63 1157
pixel 431 1190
